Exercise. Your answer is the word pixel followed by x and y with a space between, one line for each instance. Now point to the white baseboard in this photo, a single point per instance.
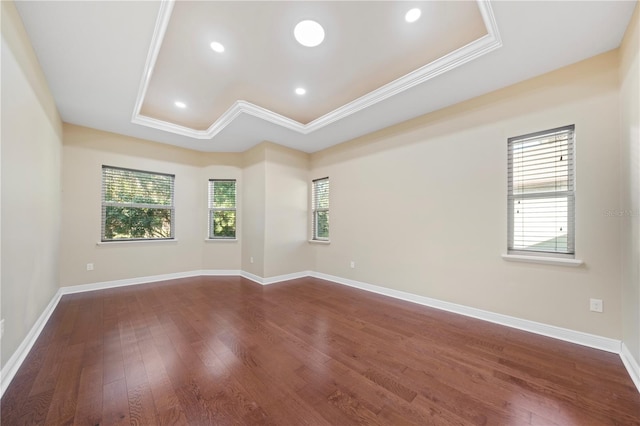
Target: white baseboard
pixel 221 272
pixel 276 279
pixel 128 281
pixel 252 277
pixel 11 367
pixel 285 277
pixel 631 364
pixel 585 339
pixel 150 279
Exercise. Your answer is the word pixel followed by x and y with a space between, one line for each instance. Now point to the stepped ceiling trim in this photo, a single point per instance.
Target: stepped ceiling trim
pixel 452 60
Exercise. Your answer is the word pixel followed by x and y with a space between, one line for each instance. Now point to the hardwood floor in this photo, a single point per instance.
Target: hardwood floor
pixel 223 350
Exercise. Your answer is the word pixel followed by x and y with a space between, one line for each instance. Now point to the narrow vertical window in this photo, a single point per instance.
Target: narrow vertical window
pixel 222 208
pixel 136 205
pixel 320 203
pixel 541 193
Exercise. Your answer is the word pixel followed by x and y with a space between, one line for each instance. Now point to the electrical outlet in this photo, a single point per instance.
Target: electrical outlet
pixel 89 266
pixel 251 259
pixel 595 305
pixel 352 264
pixel 1 328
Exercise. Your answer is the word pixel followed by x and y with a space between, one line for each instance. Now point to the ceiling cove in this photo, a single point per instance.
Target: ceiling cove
pixel 486 43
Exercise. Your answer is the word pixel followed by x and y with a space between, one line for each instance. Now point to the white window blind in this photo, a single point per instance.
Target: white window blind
pixel 320 204
pixel 136 205
pixel 541 193
pixel 222 208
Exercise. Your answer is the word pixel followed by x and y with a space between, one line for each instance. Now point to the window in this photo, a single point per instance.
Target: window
pixel 541 205
pixel 222 208
pixel 320 202
pixel 136 205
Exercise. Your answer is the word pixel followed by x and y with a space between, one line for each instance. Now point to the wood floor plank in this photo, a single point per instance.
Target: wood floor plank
pixel 224 350
pixel 115 403
pixel 63 404
pixel 89 405
pixel 34 410
pixel 48 374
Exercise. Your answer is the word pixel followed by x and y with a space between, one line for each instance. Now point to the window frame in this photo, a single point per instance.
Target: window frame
pixel 568 194
pixel 211 210
pixel 105 204
pixel 315 210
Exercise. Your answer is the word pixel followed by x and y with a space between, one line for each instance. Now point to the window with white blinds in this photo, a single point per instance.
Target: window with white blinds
pixel 222 208
pixel 320 204
pixel 136 205
pixel 541 193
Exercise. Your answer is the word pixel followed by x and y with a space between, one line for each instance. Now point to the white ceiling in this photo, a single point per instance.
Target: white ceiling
pixel 110 65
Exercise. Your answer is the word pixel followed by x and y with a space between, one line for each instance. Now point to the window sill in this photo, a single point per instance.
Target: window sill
pixel 220 240
pixel 325 242
pixel 109 243
pixel 560 261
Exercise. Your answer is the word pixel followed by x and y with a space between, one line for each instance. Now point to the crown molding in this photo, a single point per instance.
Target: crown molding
pixel 162 22
pixel 469 52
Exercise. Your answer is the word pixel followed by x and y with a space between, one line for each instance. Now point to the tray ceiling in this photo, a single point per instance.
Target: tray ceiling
pixel 366 46
pixel 121 66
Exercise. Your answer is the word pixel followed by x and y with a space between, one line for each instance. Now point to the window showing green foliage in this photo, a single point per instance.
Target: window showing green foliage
pixel 222 208
pixel 320 225
pixel 136 205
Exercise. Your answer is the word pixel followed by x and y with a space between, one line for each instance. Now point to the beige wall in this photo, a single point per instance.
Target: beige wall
pixel 253 209
pixel 630 189
pixel 421 206
pixel 31 155
pixel 85 151
pixel 275 211
pixel 286 211
pixel 272 189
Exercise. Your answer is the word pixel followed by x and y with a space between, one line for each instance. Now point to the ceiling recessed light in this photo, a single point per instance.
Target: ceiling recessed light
pixel 180 104
pixel 217 47
pixel 413 15
pixel 309 33
pixel 300 91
